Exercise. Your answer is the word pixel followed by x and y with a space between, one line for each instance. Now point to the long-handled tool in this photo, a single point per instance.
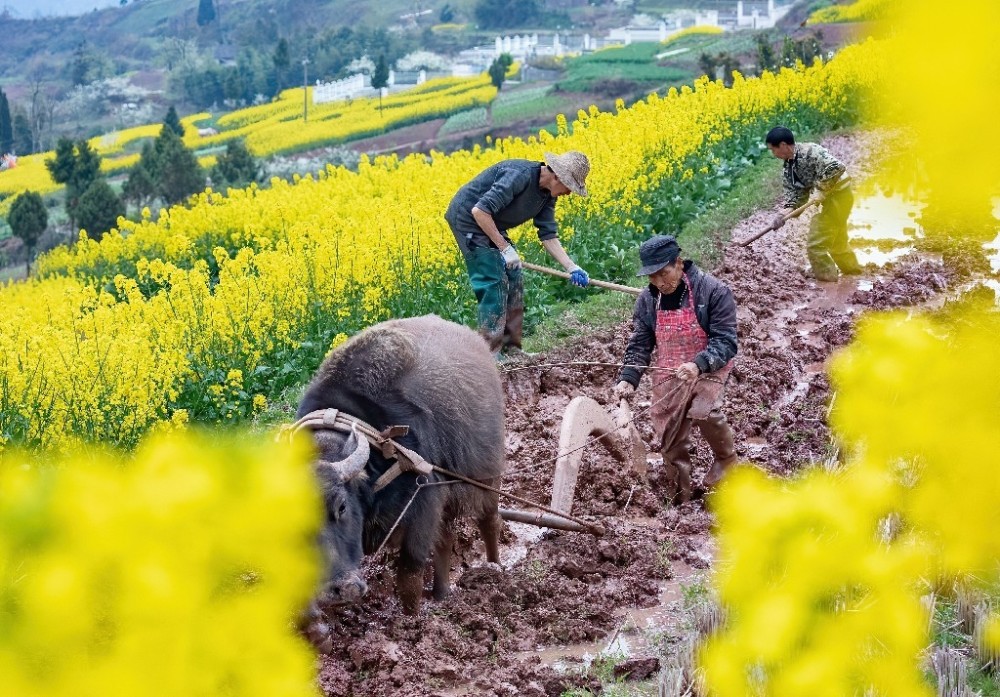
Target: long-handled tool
pixel 785 218
pixel 600 284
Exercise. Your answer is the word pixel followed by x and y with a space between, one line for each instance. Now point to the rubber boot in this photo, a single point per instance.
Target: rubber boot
pixel 677 464
pixel 719 436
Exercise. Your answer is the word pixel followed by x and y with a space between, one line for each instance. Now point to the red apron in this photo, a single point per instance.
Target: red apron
pixel 679 338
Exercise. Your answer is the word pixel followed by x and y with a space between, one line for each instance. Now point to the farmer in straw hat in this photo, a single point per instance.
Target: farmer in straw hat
pixel 499 198
pixel 689 318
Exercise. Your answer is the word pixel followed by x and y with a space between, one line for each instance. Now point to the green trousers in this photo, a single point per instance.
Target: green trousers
pixel 500 294
pixel 827 245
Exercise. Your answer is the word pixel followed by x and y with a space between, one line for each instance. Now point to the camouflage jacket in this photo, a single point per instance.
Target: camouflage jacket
pixel 812 166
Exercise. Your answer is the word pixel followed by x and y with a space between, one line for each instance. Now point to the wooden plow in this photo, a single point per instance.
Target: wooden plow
pixel 584 421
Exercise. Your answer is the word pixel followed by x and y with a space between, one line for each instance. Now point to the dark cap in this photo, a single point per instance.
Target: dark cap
pixel 657 252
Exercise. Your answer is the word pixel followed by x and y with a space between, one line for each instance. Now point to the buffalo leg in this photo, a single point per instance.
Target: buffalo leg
pixel 442 561
pixel 489 528
pixel 409 582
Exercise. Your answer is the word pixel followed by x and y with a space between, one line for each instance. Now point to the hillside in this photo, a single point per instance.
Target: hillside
pixel 142 33
pixel 133 35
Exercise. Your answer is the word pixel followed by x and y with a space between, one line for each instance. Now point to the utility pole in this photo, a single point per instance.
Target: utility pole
pixel 305 90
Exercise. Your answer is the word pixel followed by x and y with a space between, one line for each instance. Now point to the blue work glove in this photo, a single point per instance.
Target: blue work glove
pixel 579 277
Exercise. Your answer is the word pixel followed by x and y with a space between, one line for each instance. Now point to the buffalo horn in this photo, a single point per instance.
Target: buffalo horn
pixel 352 465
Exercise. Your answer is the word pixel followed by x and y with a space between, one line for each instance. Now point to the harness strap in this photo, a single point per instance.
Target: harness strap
pixel 406 460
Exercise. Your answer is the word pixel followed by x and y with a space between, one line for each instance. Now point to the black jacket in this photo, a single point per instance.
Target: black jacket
pixel 715 309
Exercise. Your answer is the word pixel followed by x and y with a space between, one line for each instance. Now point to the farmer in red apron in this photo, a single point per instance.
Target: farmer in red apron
pixel 686 321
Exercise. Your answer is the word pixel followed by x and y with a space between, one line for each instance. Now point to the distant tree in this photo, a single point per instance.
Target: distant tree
pixel 206 12
pixel 766 58
pixel 173 122
pixel 61 165
pixel 28 220
pixel 707 64
pixel 282 61
pixel 498 70
pixel 99 209
pixel 729 63
pixel 500 14
pixel 236 168
pixel 82 64
pixel 24 138
pixel 447 14
pixel 140 187
pixel 380 78
pixel 87 168
pixel 810 47
pixel 77 166
pixel 789 52
pixel 6 125
pixel 711 64
pixel 178 174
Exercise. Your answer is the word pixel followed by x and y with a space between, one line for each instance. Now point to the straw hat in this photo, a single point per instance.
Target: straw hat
pixel 571 168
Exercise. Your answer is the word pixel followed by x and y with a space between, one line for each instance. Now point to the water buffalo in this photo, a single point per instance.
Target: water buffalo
pixel 439 379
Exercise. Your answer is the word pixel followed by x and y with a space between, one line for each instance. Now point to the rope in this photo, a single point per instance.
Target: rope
pixel 535 366
pixel 420 485
pixel 514 497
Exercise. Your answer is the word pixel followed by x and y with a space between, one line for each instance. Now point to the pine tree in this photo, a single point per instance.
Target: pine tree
pixel 206 12
pixel 178 173
pixel 99 209
pixel 173 121
pixel 708 64
pixel 28 220
pixel 380 78
pixel 236 168
pixel 24 138
pixel 498 72
pixel 140 187
pixel 765 54
pixel 80 68
pixel 76 165
pixel 61 166
pixel 6 125
pixel 282 61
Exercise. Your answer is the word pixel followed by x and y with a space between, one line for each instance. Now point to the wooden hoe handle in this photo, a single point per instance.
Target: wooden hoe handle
pixel 600 284
pixel 785 218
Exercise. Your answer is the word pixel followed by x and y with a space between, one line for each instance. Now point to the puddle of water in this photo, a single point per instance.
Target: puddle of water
pixel 526 536
pixel 882 217
pixel 872 255
pixel 755 445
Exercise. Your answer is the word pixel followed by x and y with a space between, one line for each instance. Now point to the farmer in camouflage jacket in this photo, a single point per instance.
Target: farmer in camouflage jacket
pixel 809 166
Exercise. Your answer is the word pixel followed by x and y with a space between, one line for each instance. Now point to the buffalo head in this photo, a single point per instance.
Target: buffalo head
pixel 340 470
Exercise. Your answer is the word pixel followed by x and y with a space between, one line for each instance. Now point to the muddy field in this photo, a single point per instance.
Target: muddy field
pixel 500 631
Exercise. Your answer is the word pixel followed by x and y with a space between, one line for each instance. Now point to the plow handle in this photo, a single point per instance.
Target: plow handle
pixel 600 284
pixel 785 218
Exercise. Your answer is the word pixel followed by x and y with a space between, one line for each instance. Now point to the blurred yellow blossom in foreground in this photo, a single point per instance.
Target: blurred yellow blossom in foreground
pixel 176 571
